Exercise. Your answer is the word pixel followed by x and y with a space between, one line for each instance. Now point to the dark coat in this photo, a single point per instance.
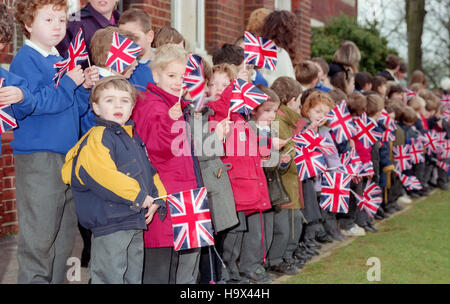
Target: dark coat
pixel 88 19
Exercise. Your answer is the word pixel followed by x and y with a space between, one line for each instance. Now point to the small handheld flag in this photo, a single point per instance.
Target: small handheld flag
pixel 7 119
pixel 341 123
pixel 194 81
pixel 260 51
pixel 335 192
pixel 245 97
pixel 122 53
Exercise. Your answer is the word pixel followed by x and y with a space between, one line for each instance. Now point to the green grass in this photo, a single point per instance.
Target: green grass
pixel 413 247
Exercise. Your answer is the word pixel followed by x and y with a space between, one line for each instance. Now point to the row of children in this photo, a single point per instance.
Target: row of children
pixel 266 221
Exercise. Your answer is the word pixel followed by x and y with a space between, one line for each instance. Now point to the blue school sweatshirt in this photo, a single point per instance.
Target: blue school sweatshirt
pixel 142 75
pixel 52 122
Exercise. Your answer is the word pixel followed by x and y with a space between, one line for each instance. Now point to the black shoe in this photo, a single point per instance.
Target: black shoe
pixel 258 276
pixel 444 187
pixel 371 225
pixel 336 235
pixel 284 268
pixel 324 238
pixel 397 206
pixel 367 228
pixel 413 195
pixel 301 254
pixel 311 243
pixel 378 217
pixel 310 250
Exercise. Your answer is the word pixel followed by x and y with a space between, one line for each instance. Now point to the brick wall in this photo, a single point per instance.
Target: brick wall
pixel 158 9
pixel 323 10
pixel 302 8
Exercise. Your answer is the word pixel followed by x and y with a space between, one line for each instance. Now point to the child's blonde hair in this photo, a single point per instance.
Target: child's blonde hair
pixel 375 104
pixel 119 83
pixel 356 103
pixel 315 98
pixel 101 43
pixel 166 54
pixel 306 72
pixel 416 102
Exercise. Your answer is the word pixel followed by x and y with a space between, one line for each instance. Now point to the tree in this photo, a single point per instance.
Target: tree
pixel 415 16
pixel 325 41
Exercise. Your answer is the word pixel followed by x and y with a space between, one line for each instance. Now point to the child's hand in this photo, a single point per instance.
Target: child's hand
pixel 77 75
pixel 285 158
pixel 223 129
pixel 91 76
pixel 175 112
pixel 278 143
pixel 150 213
pixel 10 95
pixel 147 202
pixel 356 179
pixel 244 74
pixel 129 70
pixel 439 123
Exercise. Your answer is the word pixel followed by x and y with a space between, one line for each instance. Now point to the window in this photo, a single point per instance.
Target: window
pixel 188 17
pixel 283 5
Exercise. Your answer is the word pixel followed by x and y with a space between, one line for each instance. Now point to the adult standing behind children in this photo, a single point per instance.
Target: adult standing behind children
pixel 282 27
pixel 95 15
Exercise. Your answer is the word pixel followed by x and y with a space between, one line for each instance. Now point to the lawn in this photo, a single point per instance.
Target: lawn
pixel 412 247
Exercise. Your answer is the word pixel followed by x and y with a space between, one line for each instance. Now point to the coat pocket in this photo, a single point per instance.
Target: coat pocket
pixel 131 169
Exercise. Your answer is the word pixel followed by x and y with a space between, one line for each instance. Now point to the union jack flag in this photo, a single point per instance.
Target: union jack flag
pixel 341 123
pixel 260 51
pixel 335 192
pixel 371 200
pixel 446 114
pixel 431 141
pixel 387 121
pixel 388 135
pixel 194 81
pixel 7 118
pixel 312 141
pixel 402 158
pixel 444 149
pixel 122 53
pixel 351 162
pixel 409 182
pixel 366 130
pixel 191 219
pixel 410 93
pixel 77 52
pixel 245 97
pixel 416 152
pixel 443 165
pixel 445 101
pixel 309 163
pixel 366 169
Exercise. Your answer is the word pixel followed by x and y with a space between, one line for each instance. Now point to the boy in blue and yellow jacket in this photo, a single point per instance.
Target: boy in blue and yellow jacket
pixel 113 181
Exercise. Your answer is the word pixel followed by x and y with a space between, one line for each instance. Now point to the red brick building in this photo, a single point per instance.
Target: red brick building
pixel 206 25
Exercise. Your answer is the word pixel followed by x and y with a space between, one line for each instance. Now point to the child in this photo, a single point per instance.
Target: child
pixel 392 67
pixel 15 88
pixel 379 85
pixel 100 46
pixel 316 105
pixel 157 112
pixel 112 183
pixel 344 80
pixel 138 22
pixel 324 83
pixel 49 127
pixel 288 222
pixel 357 104
pixel 363 81
pixel 233 54
pixel 167 34
pixel 307 73
pixel 396 91
pixel 222 74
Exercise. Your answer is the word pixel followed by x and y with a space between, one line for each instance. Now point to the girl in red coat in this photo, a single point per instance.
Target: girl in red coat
pixel 160 121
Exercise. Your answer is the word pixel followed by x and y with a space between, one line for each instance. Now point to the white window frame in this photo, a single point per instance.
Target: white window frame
pixel 283 5
pixel 176 8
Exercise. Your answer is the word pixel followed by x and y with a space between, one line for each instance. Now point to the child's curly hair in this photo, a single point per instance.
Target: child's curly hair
pixel 25 11
pixel 315 98
pixel 6 24
pixel 283 28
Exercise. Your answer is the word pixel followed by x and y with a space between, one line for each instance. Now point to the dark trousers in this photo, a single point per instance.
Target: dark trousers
pixel 160 265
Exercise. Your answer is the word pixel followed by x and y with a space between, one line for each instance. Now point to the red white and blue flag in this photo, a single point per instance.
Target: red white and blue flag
pixel 335 193
pixel 260 51
pixel 409 93
pixel 122 53
pixel 387 121
pixel 402 158
pixel 443 165
pixel 366 169
pixel 431 141
pixel 191 219
pixel 444 149
pixel 313 141
pixel 309 163
pixel 76 53
pixel 351 162
pixel 7 118
pixel 194 81
pixel 445 101
pixel 409 182
pixel 417 153
pixel 366 130
pixel 341 123
pixel 245 97
pixel 388 135
pixel 371 199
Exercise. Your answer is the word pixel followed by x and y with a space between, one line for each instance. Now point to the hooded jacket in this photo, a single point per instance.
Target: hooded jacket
pixel 110 177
